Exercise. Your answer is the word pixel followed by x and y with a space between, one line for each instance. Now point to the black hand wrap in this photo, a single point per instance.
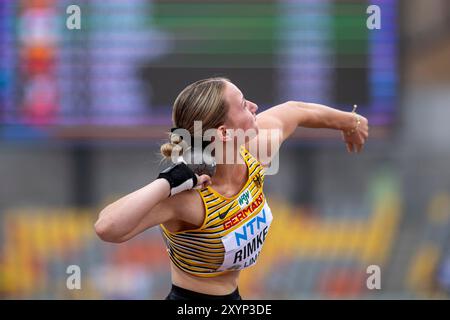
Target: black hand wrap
pixel 180 178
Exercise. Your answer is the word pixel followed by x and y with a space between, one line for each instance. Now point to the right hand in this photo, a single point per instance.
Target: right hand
pixel 181 178
pixel 202 181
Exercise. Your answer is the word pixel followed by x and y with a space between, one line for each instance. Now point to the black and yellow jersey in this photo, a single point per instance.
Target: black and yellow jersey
pixel 232 233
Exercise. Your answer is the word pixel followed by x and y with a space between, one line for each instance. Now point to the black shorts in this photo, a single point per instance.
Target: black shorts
pixel 177 293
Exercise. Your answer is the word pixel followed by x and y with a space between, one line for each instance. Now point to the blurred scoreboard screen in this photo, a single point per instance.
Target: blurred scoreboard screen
pixel 130 59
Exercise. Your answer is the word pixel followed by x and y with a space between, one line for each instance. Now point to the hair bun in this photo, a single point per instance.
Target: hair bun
pixel 175 138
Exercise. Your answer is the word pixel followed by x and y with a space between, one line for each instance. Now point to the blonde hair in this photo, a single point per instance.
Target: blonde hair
pixel 202 101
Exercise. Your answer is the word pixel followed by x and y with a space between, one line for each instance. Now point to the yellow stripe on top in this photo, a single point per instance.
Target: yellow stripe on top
pixel 201 251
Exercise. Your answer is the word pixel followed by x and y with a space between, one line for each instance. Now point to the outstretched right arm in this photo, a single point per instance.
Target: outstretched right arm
pixel 146 207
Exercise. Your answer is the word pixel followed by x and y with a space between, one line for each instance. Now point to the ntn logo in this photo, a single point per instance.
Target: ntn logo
pixel 260 218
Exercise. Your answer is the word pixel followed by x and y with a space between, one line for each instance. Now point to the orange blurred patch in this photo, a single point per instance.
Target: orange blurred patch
pixel 341 283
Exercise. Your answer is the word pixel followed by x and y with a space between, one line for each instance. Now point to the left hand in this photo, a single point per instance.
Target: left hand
pixel 356 140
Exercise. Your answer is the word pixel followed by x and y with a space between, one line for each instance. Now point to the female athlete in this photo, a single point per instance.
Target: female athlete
pixel 215 226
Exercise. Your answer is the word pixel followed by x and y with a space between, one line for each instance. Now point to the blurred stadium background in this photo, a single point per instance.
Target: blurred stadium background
pixel 83 112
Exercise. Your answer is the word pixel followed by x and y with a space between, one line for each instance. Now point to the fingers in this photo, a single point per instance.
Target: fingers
pixel 365 128
pixel 349 147
pixel 356 141
pixel 354 147
pixel 203 181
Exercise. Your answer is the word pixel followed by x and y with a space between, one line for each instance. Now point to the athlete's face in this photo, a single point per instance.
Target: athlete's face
pixel 242 112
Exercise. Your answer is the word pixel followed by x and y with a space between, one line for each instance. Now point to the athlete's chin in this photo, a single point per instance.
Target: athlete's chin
pixel 252 129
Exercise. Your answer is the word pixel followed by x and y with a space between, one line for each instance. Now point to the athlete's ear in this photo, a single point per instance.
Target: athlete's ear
pixel 223 133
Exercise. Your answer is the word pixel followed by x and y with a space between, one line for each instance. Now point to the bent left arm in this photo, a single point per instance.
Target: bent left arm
pixel 288 116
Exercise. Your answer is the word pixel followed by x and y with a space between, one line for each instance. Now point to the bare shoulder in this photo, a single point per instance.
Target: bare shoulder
pixel 188 211
pixel 272 117
pixel 265 146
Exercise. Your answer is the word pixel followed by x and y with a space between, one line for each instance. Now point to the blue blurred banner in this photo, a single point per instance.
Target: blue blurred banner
pixel 130 59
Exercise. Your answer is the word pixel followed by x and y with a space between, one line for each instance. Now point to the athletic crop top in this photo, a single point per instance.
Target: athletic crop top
pixel 233 231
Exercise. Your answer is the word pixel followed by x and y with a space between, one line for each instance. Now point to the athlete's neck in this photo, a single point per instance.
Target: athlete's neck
pixel 229 169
